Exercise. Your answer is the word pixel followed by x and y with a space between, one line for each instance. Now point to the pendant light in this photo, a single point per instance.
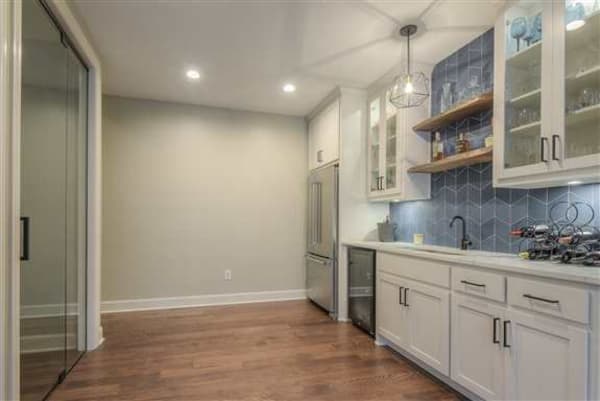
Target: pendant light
pixel 410 89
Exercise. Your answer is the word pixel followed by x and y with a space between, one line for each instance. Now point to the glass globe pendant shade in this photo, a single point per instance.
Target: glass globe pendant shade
pixel 410 89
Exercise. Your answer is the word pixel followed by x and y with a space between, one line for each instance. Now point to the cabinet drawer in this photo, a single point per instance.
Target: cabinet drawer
pixel 553 299
pixel 427 271
pixel 478 283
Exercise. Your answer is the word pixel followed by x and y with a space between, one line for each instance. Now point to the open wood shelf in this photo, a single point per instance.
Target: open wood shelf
pixel 476 156
pixel 458 112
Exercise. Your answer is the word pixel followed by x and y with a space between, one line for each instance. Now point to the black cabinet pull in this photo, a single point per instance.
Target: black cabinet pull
pixel 400 295
pixel 472 283
pixel 543 149
pixel 24 238
pixel 506 344
pixel 495 335
pixel 554 146
pixel 406 296
pixel 550 301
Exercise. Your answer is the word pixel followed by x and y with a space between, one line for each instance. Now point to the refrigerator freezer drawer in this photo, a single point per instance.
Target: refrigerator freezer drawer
pixel 320 281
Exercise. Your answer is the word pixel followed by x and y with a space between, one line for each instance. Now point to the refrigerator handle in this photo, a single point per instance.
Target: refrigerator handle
pixel 315 213
pixel 319 211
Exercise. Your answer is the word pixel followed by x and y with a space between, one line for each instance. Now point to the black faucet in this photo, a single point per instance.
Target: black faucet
pixel 465 242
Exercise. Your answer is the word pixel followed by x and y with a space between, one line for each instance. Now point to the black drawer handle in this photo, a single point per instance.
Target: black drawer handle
pixel 550 301
pixel 472 283
pixel 506 344
pixel 406 296
pixel 400 295
pixel 495 336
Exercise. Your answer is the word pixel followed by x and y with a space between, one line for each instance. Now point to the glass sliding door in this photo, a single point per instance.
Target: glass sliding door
pixel 53 199
pixel 76 210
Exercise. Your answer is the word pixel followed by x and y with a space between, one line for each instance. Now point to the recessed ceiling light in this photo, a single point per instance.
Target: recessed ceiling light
pixel 192 74
pixel 574 183
pixel 289 88
pixel 578 23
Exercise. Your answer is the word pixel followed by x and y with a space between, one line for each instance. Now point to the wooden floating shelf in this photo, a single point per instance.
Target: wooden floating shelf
pixel 458 112
pixel 476 156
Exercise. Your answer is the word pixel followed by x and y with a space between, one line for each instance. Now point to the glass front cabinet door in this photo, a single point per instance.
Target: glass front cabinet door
pixel 547 93
pixel 393 147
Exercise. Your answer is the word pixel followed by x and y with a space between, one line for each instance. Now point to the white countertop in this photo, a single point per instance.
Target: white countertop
pixel 489 260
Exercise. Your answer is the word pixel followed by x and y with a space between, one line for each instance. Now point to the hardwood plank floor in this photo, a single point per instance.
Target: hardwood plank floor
pixel 264 351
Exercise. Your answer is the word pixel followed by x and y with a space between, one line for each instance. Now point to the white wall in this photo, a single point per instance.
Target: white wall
pixel 191 191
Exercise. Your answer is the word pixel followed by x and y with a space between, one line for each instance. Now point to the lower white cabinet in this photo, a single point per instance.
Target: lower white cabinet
pixel 415 317
pixel 477 351
pixel 428 324
pixel 547 359
pixel 494 347
pixel 391 314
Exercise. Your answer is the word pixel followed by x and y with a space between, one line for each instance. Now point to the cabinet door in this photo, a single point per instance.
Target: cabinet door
pixel 523 82
pixel 575 141
pixel 313 142
pixel 428 311
pixel 375 177
pixel 391 315
pixel 323 136
pixel 329 132
pixel 477 353
pixel 546 359
pixel 391 162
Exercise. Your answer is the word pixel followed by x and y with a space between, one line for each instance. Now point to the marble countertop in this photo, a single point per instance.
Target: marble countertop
pixel 489 260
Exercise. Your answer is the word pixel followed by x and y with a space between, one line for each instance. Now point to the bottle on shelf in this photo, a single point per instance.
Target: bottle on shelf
pixel 437 147
pixel 462 144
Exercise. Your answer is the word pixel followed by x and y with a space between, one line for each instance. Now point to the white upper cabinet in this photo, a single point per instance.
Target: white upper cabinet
pixel 393 147
pixel 324 136
pixel 547 93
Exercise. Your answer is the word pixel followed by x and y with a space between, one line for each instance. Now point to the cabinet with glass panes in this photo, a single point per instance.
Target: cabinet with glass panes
pixel 547 80
pixel 393 147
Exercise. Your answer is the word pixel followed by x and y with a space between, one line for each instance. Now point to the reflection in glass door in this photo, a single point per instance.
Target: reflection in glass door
pixel 581 27
pixel 391 117
pixel 523 87
pixel 53 199
pixel 374 134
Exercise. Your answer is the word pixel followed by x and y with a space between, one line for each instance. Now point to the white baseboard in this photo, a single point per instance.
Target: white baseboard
pixel 47 310
pixel 47 342
pixel 130 305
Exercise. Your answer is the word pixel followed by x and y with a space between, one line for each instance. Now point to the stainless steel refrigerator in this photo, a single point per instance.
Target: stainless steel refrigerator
pixel 321 254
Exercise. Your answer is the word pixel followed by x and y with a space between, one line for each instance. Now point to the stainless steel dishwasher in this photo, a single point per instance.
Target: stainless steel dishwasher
pixel 361 288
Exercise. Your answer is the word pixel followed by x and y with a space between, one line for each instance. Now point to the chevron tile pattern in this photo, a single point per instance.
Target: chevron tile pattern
pixel 490 212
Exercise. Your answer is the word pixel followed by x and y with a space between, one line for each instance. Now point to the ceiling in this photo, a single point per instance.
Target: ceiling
pixel 246 50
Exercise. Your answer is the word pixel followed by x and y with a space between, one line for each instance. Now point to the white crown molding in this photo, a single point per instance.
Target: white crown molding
pixel 130 305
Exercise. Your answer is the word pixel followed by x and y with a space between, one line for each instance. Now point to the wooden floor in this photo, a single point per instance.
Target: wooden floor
pixel 266 351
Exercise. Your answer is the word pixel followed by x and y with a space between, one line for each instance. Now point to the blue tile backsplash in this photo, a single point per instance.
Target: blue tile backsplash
pixel 490 212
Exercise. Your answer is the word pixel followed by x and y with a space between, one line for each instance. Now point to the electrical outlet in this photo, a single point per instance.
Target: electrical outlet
pixel 227 275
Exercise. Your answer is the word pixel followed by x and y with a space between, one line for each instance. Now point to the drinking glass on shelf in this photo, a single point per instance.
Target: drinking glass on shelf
pixel 518 28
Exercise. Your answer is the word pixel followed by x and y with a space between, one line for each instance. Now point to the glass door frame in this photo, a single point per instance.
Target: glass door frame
pixel 560 100
pixel 541 167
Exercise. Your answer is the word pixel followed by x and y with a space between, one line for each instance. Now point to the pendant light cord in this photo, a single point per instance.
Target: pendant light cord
pixel 408 54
